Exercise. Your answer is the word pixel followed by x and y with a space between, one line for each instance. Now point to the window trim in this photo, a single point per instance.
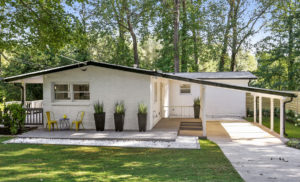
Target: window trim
pixel 71 92
pixel 185 88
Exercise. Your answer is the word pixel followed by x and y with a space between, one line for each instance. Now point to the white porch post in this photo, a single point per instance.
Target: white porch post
pixel 272 114
pixel 203 109
pixel 281 117
pixel 254 108
pixel 260 110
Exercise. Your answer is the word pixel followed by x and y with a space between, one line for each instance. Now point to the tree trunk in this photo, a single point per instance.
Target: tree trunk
pixel 176 35
pixel 133 36
pixel 291 79
pixel 184 56
pixel 225 42
pixel 195 50
pixel 134 41
pixel 234 35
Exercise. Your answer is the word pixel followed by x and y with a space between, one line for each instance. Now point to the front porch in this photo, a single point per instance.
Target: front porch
pixel 167 129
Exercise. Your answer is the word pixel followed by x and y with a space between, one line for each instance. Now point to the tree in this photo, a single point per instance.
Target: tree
pixel 176 35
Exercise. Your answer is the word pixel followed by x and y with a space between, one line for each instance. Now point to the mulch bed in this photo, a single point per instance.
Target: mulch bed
pixel 5 131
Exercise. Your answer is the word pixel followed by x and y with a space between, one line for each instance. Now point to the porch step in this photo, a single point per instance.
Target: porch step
pixel 190 126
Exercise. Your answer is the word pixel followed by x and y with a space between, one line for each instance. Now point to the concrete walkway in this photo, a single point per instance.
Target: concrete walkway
pixel 257 155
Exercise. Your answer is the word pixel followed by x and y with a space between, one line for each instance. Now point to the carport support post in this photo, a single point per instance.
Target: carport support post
pixel 281 117
pixel 254 108
pixel 203 109
pixel 260 110
pixel 272 114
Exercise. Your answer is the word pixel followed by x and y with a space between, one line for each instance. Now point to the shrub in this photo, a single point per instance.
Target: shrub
pixel 120 107
pixel 249 113
pixel 142 108
pixel 266 112
pixel 99 108
pixel 197 101
pixel 14 117
pixel 277 112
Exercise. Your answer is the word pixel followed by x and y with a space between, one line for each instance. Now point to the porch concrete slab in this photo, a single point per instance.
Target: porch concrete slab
pixel 257 155
pixel 179 143
pixel 102 135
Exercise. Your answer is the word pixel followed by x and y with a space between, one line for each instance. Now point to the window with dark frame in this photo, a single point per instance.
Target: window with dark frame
pixel 185 88
pixel 62 92
pixel 81 91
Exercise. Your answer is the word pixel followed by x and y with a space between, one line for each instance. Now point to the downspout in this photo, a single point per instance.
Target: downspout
pixel 22 95
pixel 284 103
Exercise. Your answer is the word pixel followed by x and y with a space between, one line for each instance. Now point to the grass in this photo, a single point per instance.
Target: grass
pixel 24 162
pixel 292 130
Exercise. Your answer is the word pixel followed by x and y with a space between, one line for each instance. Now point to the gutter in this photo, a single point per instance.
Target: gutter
pixel 284 115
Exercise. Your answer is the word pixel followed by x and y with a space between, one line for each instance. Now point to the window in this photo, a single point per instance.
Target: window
pixel 155 92
pixel 62 92
pixel 71 91
pixel 185 88
pixel 81 91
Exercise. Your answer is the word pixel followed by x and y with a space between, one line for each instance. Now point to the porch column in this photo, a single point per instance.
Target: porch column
pixel 260 110
pixel 272 114
pixel 24 93
pixel 203 109
pixel 281 117
pixel 254 108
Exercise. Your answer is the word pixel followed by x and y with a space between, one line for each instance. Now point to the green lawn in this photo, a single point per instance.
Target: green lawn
pixel 22 162
pixel 292 130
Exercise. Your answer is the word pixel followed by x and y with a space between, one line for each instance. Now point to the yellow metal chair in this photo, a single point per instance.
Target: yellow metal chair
pixel 51 122
pixel 78 121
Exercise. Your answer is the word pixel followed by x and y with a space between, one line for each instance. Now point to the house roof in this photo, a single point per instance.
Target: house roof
pixel 173 76
pixel 217 75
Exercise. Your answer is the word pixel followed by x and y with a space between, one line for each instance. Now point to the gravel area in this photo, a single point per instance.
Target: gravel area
pixel 102 135
pixel 180 142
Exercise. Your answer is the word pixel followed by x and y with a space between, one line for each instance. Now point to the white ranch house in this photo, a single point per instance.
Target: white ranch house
pixel 73 88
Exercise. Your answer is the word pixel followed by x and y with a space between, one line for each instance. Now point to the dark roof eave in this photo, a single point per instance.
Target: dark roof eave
pixel 151 73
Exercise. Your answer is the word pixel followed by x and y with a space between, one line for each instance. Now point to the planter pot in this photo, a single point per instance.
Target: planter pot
pixel 196 111
pixel 119 121
pixel 142 118
pixel 100 121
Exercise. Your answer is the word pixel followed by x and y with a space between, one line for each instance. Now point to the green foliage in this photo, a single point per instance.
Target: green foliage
pixel 98 107
pixel 197 101
pixel 120 107
pixel 14 117
pixel 142 108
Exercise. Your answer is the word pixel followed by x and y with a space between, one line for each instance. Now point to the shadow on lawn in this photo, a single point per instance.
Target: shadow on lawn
pixel 21 162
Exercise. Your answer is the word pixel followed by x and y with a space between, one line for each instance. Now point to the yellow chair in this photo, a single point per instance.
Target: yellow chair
pixel 50 121
pixel 78 120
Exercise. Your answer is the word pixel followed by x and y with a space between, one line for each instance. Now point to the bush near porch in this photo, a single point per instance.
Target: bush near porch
pixel 19 162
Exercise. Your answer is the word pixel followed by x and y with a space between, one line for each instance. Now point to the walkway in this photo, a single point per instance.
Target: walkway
pixel 257 155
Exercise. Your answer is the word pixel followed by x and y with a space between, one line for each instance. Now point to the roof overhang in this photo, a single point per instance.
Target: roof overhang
pixel 37 76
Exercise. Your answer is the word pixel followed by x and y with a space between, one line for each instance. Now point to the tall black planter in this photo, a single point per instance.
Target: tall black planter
pixel 119 121
pixel 100 121
pixel 142 118
pixel 196 111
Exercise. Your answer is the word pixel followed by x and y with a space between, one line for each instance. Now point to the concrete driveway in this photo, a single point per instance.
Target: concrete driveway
pixel 257 155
